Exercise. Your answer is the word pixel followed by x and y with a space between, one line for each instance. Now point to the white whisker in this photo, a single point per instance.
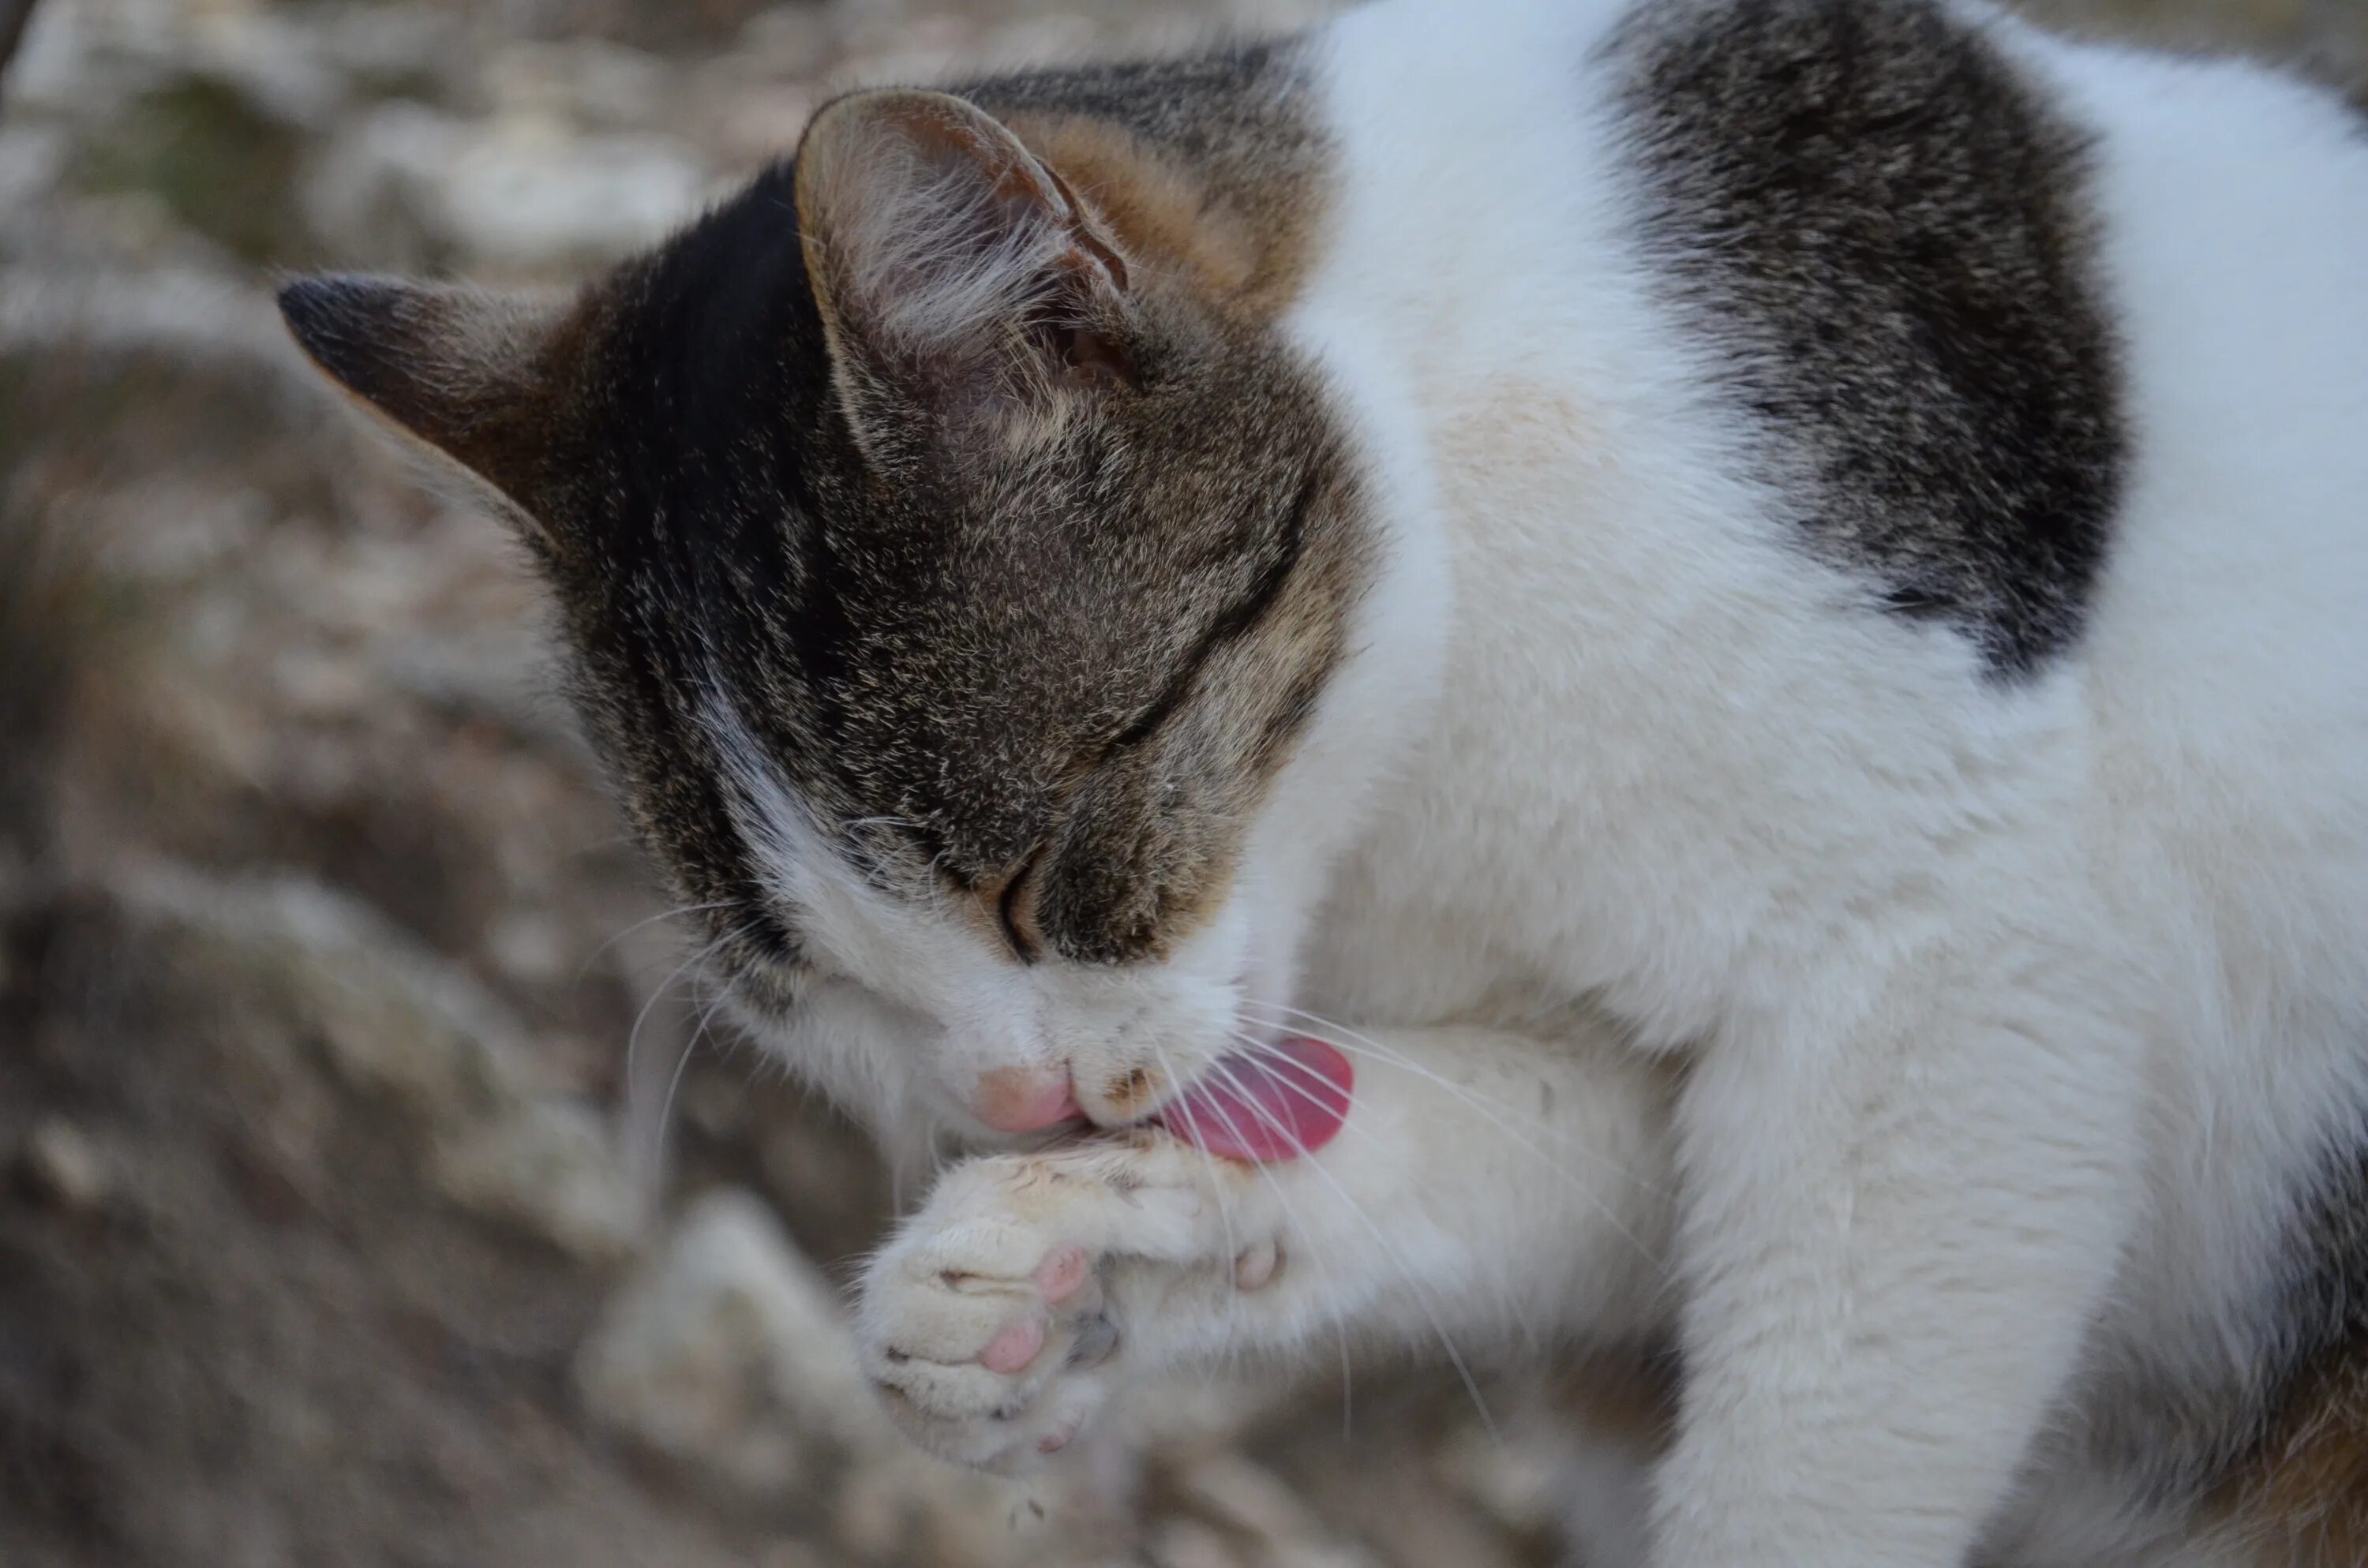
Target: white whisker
pixel 1422 1294
pixel 594 956
pixel 1569 1179
pixel 1217 1187
pixel 1529 1331
pixel 1290 1213
pixel 1357 1044
pixel 633 1035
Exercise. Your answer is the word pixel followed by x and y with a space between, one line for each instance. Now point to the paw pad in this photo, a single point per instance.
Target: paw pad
pixel 1012 1350
pixel 1063 1273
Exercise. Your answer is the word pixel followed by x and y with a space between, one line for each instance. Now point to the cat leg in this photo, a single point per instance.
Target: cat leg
pixel 1898 1221
pixel 1484 1186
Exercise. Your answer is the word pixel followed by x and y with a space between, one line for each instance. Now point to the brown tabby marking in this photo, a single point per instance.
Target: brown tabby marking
pixel 1161 209
pixel 2302 1501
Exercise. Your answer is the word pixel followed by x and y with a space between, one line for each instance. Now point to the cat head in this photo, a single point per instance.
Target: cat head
pixel 971 586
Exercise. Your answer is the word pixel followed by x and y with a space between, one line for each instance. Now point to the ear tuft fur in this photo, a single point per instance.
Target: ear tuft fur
pixel 948 258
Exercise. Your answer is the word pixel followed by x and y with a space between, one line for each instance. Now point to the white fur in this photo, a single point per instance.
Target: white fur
pixel 2016 1017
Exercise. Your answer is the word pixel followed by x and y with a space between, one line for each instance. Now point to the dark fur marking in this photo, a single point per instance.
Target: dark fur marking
pixel 936 646
pixel 2314 1432
pixel 1235 621
pixel 1880 231
pixel 2255 1445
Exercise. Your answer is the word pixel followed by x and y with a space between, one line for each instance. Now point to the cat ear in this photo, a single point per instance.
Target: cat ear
pixel 950 263
pixel 477 376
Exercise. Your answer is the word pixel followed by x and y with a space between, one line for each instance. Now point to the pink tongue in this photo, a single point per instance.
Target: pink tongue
pixel 1276 1105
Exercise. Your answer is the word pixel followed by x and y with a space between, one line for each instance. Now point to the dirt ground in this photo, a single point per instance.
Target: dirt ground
pixel 325 975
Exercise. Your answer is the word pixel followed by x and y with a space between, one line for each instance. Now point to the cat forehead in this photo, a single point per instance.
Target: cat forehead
pixel 944 642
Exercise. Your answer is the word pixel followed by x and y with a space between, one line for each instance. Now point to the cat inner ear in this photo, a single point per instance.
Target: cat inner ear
pixel 478 377
pixel 953 266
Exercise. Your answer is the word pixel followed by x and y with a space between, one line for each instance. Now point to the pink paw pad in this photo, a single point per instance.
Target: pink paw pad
pixel 1063 1273
pixel 1014 1347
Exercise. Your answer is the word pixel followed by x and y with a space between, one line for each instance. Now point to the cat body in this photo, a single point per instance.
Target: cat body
pixel 2048 857
pixel 1765 594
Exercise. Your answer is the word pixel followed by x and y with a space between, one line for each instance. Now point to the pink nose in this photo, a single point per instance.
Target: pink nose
pixel 1024 1100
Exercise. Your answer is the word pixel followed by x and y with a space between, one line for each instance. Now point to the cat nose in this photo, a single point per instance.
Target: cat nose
pixel 1025 1099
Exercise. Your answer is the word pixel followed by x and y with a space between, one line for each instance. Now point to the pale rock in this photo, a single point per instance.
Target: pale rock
pixel 272 62
pixel 394 1019
pixel 529 193
pixel 726 1352
pixel 791 1554
pixel 524 192
pixel 398 1022
pixel 1189 1543
pixel 379 44
pixel 1252 1503
pixel 551 1167
pixel 66 1166
pixel 792 41
pixel 588 81
pixel 373 193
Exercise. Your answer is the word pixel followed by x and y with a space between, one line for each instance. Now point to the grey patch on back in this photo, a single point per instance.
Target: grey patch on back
pixel 2324 1316
pixel 1882 232
pixel 2178 1432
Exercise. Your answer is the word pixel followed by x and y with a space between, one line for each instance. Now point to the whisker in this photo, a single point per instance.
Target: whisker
pixel 1290 1213
pixel 1512 1307
pixel 594 956
pixel 633 1035
pixel 674 1085
pixel 1454 1356
pixel 1216 1186
pixel 633 1040
pixel 1357 1044
pixel 1568 1178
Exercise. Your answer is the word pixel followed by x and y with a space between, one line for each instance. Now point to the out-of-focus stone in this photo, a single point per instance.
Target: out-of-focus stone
pixel 396 1021
pixel 370 197
pixel 1520 1475
pixel 790 41
pixel 729 1353
pixel 64 1166
pixel 276 63
pixel 1251 1501
pixel 725 1352
pixel 587 82
pixel 791 1554
pixel 530 194
pixel 1189 1543
pixel 393 1018
pixel 551 1167
pixel 525 193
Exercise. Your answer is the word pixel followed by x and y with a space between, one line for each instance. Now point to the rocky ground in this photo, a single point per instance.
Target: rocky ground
pixel 325 975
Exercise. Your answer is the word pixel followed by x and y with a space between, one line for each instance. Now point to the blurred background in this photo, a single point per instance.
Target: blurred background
pixel 325 975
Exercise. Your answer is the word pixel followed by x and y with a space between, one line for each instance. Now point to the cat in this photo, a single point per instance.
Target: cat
pixel 1769 598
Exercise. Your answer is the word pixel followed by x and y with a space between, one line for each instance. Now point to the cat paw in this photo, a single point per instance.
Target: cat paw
pixel 990 1324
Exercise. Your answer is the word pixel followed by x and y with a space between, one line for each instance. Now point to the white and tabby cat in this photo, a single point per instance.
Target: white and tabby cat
pixel 1770 597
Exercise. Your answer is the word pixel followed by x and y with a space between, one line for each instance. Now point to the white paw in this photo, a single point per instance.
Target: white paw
pixel 991 1323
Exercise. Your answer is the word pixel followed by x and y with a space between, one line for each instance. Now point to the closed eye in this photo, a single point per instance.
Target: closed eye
pixel 1237 621
pixel 1015 911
